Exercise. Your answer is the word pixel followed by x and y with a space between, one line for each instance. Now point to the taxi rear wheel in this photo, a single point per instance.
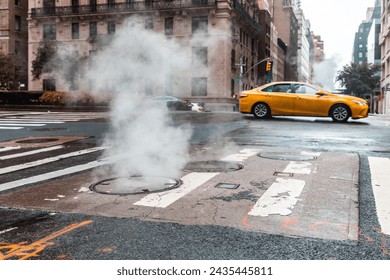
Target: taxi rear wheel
pixel 261 111
pixel 340 113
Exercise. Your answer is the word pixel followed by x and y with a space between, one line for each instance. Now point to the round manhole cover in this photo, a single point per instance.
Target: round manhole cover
pixel 135 185
pixel 286 156
pixel 212 166
pixel 37 140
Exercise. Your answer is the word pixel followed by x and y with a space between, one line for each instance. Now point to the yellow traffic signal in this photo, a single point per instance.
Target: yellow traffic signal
pixel 268 66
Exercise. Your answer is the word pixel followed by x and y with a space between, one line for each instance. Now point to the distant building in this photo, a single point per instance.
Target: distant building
pixel 287 26
pixel 14 37
pixel 303 47
pixel 366 46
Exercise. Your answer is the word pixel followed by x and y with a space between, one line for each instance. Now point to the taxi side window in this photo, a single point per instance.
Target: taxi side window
pixel 285 88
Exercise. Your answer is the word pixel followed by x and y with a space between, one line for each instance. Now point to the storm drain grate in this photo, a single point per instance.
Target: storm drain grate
pixel 284 174
pixel 212 166
pixel 227 186
pixel 286 156
pixel 135 185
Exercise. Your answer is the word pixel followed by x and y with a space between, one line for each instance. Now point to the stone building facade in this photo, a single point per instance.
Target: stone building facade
pixel 236 24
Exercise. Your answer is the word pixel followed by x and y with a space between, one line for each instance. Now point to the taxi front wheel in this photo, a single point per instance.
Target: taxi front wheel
pixel 340 113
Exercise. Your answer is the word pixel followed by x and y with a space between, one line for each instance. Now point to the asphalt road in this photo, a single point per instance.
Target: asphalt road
pixel 334 217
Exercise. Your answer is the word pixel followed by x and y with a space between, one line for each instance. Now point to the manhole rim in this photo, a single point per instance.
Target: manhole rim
pixel 92 187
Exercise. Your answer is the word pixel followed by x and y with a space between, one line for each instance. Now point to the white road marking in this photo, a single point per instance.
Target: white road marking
pixel 279 199
pixel 11 127
pixel 7 230
pixel 298 167
pixel 190 182
pixel 31 152
pixel 58 173
pixel 22 124
pixel 17 121
pixel 242 155
pixel 4 149
pixel 47 160
pixel 380 180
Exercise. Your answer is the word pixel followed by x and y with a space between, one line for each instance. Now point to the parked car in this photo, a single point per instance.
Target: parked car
pixel 300 99
pixel 175 103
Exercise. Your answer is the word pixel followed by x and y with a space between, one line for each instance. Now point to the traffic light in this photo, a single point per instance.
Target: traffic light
pixel 268 66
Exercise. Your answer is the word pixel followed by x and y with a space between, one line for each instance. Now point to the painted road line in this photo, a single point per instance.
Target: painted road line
pixel 18 121
pixel 279 199
pixel 58 173
pixel 11 127
pixel 5 149
pixel 190 182
pixel 31 152
pixel 380 180
pixel 242 155
pixel 35 120
pixel 47 160
pixel 298 167
pixel 22 124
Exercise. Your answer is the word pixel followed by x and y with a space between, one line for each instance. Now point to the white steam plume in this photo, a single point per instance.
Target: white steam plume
pixel 141 130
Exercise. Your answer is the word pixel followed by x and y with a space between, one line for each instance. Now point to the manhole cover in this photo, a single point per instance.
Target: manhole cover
pixel 286 156
pixel 212 166
pixel 135 185
pixel 37 140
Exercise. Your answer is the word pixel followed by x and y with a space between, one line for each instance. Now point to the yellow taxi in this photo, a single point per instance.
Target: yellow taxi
pixel 300 99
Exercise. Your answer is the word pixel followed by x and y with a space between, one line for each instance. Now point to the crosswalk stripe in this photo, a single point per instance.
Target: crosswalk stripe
pixel 56 174
pixel 31 152
pixel 22 124
pixel 380 180
pixel 280 198
pixel 162 200
pixel 298 167
pixel 11 127
pixel 5 149
pixel 47 160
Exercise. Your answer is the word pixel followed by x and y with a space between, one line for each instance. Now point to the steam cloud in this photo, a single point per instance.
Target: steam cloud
pixel 141 131
pixel 324 73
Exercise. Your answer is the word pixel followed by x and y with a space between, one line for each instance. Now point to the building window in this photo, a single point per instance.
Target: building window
pixel 149 23
pixel 18 23
pixel 199 87
pixel 92 5
pixel 200 24
pixel 233 59
pixel 169 26
pixel 111 4
pixel 49 85
pixel 75 30
pixel 49 7
pixel 75 6
pixel 92 29
pixel 18 2
pixel 149 3
pixel 111 27
pixel 49 31
pixel 129 3
pixel 199 56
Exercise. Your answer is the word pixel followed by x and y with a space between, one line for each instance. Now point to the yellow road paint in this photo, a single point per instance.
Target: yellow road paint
pixel 23 250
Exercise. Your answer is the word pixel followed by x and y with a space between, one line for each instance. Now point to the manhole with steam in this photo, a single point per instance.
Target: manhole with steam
pixel 135 185
pixel 212 166
pixel 286 156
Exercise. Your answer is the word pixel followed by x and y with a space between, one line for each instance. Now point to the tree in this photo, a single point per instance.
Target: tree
pixel 58 59
pixel 7 72
pixel 359 79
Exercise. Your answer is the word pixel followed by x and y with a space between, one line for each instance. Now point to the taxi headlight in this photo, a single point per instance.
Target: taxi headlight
pixel 359 102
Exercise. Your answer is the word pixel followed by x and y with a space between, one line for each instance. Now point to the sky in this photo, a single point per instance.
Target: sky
pixel 336 21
